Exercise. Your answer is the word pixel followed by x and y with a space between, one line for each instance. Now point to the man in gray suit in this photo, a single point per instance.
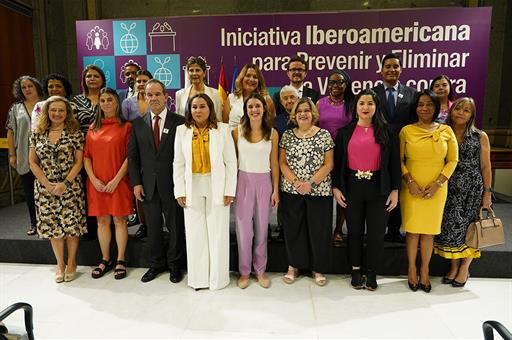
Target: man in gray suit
pixel 150 157
pixel 397 104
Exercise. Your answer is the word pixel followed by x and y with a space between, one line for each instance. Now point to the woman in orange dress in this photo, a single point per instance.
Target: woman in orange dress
pixel 108 189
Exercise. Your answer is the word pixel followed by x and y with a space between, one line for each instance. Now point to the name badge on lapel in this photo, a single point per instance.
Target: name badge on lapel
pixel 400 95
pixel 165 131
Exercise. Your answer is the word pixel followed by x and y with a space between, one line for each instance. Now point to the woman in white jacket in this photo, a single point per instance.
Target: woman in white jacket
pixel 196 69
pixel 204 173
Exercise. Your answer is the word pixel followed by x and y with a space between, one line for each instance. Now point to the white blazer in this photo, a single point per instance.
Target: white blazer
pixel 222 158
pixel 183 95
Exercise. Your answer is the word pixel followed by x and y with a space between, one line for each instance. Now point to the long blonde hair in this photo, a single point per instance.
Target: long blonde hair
pixel 70 124
pixel 261 89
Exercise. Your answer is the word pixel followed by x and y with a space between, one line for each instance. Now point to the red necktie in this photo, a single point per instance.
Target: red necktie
pixel 156 132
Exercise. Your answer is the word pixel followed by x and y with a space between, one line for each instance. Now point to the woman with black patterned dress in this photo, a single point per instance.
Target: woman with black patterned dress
pixel 469 189
pixel 84 108
pixel 306 160
pixel 56 153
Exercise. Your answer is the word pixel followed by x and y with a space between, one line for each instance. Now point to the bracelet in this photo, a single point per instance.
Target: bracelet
pixel 439 183
pixel 295 180
pixel 67 183
pixel 410 180
pixel 488 189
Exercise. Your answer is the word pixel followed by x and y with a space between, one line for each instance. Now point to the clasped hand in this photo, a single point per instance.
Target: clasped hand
pixel 426 192
pixel 302 188
pixel 56 189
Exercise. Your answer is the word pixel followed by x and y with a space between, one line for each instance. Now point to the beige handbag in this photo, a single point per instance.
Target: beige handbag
pixel 485 232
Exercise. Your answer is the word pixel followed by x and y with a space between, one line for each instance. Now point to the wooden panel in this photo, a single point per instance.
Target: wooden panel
pixel 16 44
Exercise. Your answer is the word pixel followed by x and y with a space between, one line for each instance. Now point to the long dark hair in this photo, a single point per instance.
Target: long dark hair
pixel 435 100
pixel 266 123
pixel 380 126
pixel 99 115
pixel 212 119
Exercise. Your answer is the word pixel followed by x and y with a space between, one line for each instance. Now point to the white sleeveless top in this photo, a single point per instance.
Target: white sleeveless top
pixel 237 110
pixel 254 157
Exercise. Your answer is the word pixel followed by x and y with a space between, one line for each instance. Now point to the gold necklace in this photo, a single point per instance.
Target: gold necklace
pixel 334 102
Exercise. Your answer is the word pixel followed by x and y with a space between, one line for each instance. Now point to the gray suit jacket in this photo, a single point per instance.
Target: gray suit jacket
pixel 150 167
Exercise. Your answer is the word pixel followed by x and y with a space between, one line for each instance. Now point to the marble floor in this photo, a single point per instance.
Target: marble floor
pixel 128 309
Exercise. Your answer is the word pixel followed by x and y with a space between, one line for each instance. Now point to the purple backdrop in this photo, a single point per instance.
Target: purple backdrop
pixel 451 41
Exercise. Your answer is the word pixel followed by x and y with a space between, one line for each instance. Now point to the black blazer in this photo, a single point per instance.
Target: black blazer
pixel 390 172
pixel 306 92
pixel 404 109
pixel 146 165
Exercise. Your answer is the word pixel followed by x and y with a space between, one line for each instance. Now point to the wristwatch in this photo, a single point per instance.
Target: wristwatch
pixel 487 189
pixel 439 183
pixel 67 183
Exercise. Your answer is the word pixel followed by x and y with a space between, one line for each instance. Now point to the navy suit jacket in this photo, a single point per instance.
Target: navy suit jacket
pixel 404 109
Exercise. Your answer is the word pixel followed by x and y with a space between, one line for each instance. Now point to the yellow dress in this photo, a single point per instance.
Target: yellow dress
pixel 424 155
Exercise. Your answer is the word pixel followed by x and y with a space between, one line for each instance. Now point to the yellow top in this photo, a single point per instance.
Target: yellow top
pixel 200 151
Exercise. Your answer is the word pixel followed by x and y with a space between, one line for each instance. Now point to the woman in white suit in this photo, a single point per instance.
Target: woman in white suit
pixel 204 173
pixel 196 69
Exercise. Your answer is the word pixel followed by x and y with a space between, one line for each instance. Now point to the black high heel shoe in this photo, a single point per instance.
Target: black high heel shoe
pixel 458 284
pixel 425 288
pixel 447 281
pixel 412 286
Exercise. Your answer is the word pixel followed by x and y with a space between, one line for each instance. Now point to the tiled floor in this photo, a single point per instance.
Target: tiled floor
pixel 129 309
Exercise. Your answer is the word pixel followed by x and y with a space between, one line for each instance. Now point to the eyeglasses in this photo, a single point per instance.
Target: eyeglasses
pixel 298 70
pixel 336 82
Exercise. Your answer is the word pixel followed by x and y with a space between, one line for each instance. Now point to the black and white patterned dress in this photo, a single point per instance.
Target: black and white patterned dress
pixel 304 157
pixel 83 111
pixel 59 216
pixel 463 203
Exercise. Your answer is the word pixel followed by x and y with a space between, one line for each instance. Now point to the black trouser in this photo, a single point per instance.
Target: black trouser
pixel 394 221
pixel 159 211
pixel 365 204
pixel 307 224
pixel 27 180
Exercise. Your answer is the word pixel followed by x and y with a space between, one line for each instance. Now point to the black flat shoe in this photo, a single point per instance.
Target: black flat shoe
pixel 141 233
pixel 447 281
pixel 412 286
pixel 176 275
pixel 425 288
pixel 32 231
pixel 371 281
pixel 151 274
pixel 99 272
pixel 357 280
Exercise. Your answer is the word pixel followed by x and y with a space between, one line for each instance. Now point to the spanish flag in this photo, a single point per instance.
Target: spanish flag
pixel 222 84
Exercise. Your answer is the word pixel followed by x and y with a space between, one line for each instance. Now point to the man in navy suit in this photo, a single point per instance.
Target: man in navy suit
pixel 297 71
pixel 397 105
pixel 150 158
pixel 130 73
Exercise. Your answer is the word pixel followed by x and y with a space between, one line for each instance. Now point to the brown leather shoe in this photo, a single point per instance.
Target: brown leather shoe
pixel 243 282
pixel 263 281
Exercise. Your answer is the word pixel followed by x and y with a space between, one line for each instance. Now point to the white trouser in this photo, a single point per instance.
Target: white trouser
pixel 207 235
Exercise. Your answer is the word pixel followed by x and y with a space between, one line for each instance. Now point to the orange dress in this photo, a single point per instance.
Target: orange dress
pixel 107 149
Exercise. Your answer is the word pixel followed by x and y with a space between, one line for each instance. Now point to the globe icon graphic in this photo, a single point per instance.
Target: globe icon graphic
pixel 129 43
pixel 164 75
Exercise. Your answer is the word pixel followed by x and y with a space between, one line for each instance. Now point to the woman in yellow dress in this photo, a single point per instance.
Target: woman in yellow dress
pixel 429 155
